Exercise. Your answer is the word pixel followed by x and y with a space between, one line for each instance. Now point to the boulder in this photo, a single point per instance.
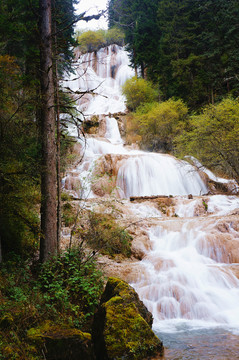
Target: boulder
pixel 122 325
pixel 62 343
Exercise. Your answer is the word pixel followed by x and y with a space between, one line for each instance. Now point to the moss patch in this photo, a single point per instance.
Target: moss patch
pixel 62 343
pixel 122 325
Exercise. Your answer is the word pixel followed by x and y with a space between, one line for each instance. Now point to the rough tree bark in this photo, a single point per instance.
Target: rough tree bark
pixel 48 242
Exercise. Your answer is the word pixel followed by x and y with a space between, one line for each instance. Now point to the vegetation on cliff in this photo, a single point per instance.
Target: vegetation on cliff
pixel 103 234
pixel 138 92
pixel 210 134
pixel 212 137
pixel 94 40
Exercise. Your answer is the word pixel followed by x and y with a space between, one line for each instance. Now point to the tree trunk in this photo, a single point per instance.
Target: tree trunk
pixel 58 159
pixel 0 250
pixel 58 127
pixel 48 243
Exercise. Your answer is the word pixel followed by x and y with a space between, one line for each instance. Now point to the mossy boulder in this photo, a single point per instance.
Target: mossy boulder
pixel 61 343
pixel 122 325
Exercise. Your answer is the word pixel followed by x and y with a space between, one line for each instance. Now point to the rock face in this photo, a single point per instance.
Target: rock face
pixel 122 325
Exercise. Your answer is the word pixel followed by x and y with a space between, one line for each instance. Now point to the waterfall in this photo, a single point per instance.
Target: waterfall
pixel 187 277
pixel 103 72
pixel 158 174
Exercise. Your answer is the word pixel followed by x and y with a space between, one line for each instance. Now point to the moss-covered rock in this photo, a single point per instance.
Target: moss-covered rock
pixel 122 325
pixel 62 343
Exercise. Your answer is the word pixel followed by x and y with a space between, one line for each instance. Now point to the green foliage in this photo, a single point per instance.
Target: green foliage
pixel 64 291
pixel 68 214
pixel 71 283
pixel 205 205
pixel 159 123
pixel 90 41
pixel 65 196
pixel 137 18
pixel 188 47
pixel 138 91
pixel 212 137
pixel 115 36
pixel 19 164
pixel 93 40
pixel 105 235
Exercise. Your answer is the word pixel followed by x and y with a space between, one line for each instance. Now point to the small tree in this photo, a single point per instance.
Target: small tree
pixel 159 123
pixel 115 36
pixel 138 91
pixel 48 245
pixel 213 137
pixel 91 41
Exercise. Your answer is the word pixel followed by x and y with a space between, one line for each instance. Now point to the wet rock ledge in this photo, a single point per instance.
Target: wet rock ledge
pixel 122 326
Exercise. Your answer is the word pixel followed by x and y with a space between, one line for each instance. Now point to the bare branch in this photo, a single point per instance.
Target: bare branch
pixel 81 17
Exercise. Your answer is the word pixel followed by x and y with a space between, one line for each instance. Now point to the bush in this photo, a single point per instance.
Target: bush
pixel 93 40
pixel 90 41
pixel 106 236
pixel 114 36
pixel 65 290
pixel 138 91
pixel 213 137
pixel 71 282
pixel 159 123
pixel 68 214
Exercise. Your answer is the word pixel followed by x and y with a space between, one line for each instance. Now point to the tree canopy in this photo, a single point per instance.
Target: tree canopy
pixel 94 40
pixel 189 47
pixel 21 116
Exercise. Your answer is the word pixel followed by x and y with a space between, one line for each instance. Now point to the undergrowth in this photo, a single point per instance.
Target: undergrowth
pixel 65 291
pixel 103 233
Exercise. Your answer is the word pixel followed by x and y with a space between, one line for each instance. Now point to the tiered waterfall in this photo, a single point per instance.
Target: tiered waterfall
pixel 188 277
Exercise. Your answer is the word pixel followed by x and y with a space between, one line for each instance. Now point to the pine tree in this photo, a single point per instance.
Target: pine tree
pixel 48 245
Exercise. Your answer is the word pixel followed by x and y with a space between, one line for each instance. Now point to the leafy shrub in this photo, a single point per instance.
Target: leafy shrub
pixel 93 40
pixel 106 236
pixel 159 123
pixel 71 282
pixel 212 137
pixel 90 41
pixel 65 290
pixel 114 36
pixel 138 91
pixel 65 196
pixel 68 214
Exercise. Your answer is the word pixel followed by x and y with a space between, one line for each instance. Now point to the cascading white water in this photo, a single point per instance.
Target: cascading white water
pixel 157 174
pixel 112 131
pixel 186 279
pixel 144 174
pixel 139 173
pixel 103 72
